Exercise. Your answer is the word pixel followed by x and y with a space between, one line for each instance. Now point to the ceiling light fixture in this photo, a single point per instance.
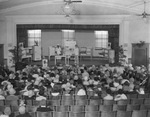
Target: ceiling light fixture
pixel 67 9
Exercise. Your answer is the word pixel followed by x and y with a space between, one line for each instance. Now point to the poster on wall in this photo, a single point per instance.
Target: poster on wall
pixel 44 63
pixel 69 46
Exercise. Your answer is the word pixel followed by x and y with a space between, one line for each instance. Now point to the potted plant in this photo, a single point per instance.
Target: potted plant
pixel 122 56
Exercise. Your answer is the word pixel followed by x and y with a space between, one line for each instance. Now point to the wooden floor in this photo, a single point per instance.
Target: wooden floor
pixel 84 60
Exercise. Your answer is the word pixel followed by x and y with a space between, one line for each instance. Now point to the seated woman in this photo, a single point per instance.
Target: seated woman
pixel 55 92
pixel 108 95
pixel 81 90
pixel 22 112
pixel 140 90
pixel 43 107
pixel 120 95
pixel 40 95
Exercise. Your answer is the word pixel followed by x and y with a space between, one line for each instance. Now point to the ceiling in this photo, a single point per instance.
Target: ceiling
pixel 86 7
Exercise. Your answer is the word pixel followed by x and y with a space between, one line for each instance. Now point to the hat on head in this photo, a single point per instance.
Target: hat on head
pixel 12 91
pixel 22 109
pixel 7 111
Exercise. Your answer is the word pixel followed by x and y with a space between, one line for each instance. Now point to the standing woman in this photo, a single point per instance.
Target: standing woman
pixel 76 53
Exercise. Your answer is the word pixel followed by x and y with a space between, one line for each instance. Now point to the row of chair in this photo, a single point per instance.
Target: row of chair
pixel 68 101
pixel 135 113
pixel 82 108
pixel 129 96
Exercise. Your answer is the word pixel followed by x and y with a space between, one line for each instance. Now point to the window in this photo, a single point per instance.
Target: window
pixel 68 36
pixel 34 37
pixel 101 39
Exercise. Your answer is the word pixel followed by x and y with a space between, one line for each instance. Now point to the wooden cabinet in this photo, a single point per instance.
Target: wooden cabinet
pixel 140 54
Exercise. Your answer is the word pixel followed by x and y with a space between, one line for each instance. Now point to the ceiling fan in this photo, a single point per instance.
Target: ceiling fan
pixel 71 1
pixel 144 14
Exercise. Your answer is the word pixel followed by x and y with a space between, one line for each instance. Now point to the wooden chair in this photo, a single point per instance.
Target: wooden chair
pixel 77 97
pixel 89 52
pixel 91 108
pixel 119 107
pixel 106 108
pixel 139 113
pixel 76 114
pixel 129 96
pixel 131 107
pixel 60 114
pixel 62 108
pixel 53 102
pixel 123 113
pixel 44 114
pixel 147 101
pixel 145 107
pixel 67 102
pixel 108 102
pixel 81 102
pixel 138 101
pixel 108 114
pixel 82 52
pixel 95 102
pixel 77 108
pixel 123 102
pixel 143 95
pixel 92 114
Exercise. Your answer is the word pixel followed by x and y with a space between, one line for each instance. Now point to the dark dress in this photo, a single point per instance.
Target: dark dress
pixel 44 109
pixel 24 115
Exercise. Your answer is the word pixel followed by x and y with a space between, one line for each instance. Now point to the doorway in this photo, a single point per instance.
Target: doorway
pixel 2 54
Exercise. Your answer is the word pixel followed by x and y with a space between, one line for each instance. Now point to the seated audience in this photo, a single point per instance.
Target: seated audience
pixel 120 95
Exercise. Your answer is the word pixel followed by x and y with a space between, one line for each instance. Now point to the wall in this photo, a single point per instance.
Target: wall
pixel 54 37
pixel 85 38
pixel 131 31
pixel 3 36
pixel 134 31
pixel 50 38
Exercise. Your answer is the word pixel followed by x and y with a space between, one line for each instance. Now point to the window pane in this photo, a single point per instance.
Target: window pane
pixel 101 39
pixel 30 33
pixel 34 37
pixel 30 41
pixel 67 35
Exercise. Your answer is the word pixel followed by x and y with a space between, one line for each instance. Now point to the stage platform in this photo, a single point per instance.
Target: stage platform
pixel 84 60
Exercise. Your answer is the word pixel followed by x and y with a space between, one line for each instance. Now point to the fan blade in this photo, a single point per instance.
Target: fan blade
pixel 69 1
pixel 76 1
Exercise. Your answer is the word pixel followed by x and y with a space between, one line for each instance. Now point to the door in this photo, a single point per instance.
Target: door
pixel 140 54
pixel 1 54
